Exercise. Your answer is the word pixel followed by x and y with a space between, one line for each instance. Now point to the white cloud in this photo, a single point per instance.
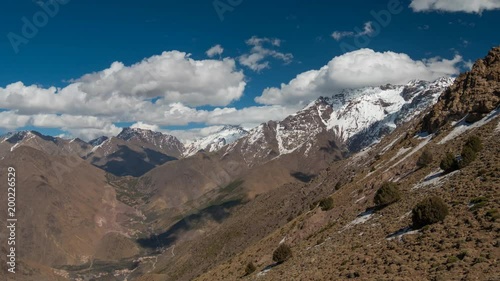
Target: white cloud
pixel 357 69
pixel 467 6
pixel 257 58
pixel 154 91
pixel 93 133
pixel 173 76
pixel 367 30
pixel 144 126
pixel 216 50
pixel 10 120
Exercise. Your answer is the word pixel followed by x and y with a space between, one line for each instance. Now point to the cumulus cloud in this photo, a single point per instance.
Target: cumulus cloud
pixel 367 30
pixel 261 50
pixel 144 126
pixel 357 69
pixel 216 50
pixel 467 6
pixel 157 88
pixel 173 76
pixel 93 133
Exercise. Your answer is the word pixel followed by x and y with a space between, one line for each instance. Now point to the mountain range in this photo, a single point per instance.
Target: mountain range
pixel 143 205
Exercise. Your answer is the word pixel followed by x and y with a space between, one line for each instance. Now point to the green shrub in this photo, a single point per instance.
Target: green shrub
pixel 475 143
pixel 478 203
pixel 387 194
pixel 425 159
pixel 282 253
pixel 250 268
pixel 452 259
pixel 326 204
pixel 429 211
pixel 492 214
pixel 338 185
pixel 449 163
pixel 468 156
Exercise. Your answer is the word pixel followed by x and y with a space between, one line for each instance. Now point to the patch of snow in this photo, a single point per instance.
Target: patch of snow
pixel 100 145
pixel 400 152
pixel 265 271
pixel 462 126
pixel 360 199
pixel 434 179
pixel 15 146
pixel 400 233
pixel 390 145
pixel 360 219
pixel 282 240
pixel 415 150
pixel 405 215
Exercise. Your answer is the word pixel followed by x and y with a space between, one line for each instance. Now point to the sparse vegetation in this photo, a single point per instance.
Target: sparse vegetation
pixel 326 204
pixel 250 268
pixel 492 215
pixel 282 253
pixel 472 146
pixel 429 211
pixel 425 159
pixel 468 156
pixel 452 259
pixel 387 194
pixel 338 185
pixel 478 202
pixel 449 163
pixel 475 143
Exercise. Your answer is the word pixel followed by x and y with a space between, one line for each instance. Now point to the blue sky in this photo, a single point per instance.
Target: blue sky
pixel 84 37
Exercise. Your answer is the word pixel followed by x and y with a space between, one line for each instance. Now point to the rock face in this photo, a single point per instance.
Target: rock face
pixel 474 93
pixel 134 152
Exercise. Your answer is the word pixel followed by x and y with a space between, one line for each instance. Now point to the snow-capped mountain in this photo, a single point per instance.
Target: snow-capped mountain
pixel 352 118
pixel 365 115
pixel 224 136
pixel 349 120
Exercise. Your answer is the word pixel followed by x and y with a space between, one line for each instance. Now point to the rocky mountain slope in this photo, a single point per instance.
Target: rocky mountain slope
pixel 475 93
pixel 65 211
pixel 134 152
pixel 50 145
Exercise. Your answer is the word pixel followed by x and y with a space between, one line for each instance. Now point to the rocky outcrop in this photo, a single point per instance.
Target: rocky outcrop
pixel 474 94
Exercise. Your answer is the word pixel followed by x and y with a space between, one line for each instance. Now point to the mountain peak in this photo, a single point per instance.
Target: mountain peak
pixel 98 141
pixel 226 135
pixel 473 94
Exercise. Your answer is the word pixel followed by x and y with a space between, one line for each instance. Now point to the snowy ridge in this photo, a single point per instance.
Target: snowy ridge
pixel 356 118
pixel 389 104
pixel 224 136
